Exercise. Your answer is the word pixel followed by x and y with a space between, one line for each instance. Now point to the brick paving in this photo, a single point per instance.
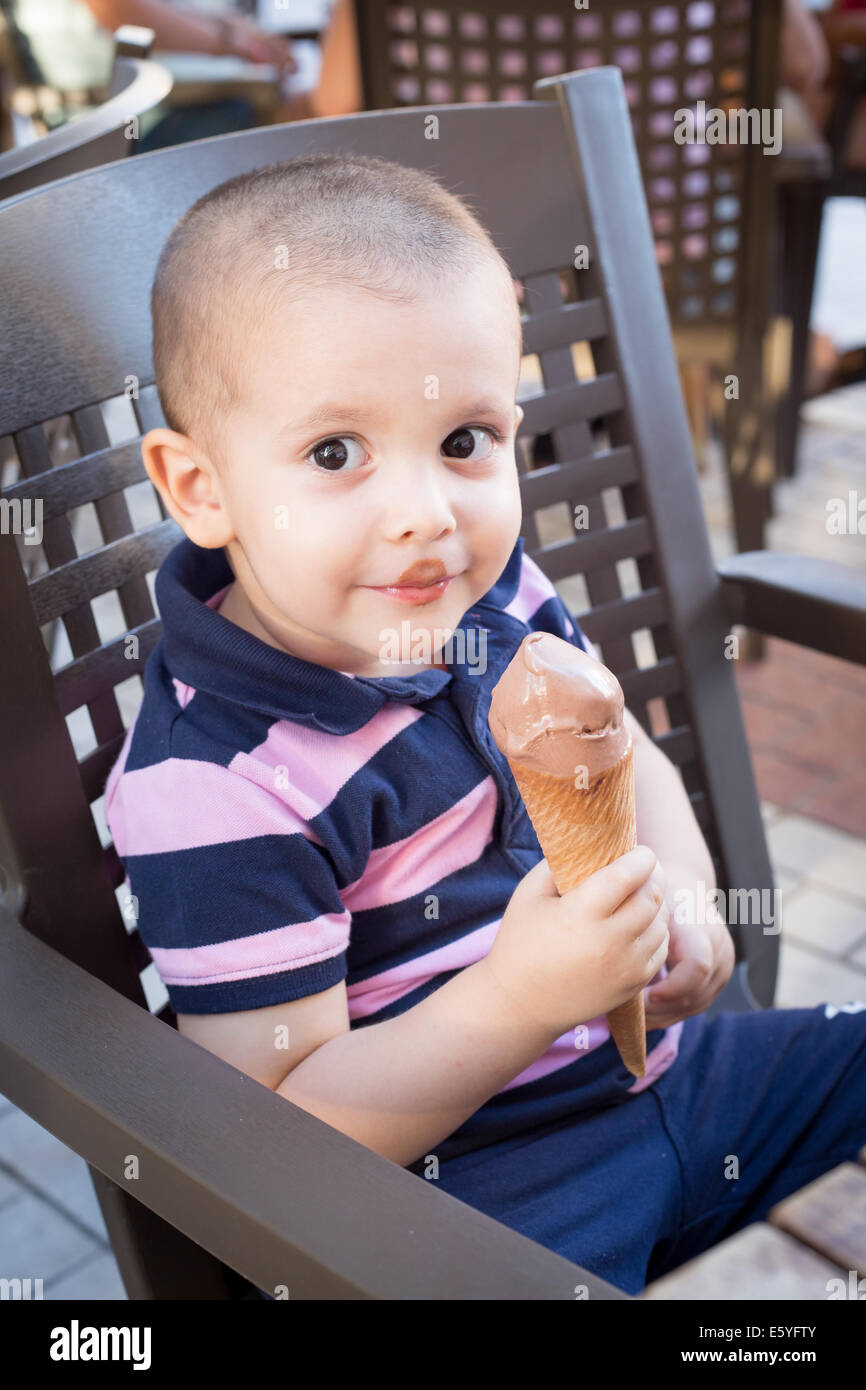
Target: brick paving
pixel 805 717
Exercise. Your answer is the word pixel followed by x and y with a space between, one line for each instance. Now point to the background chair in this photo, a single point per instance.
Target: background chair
pixel 233 1180
pixel 98 136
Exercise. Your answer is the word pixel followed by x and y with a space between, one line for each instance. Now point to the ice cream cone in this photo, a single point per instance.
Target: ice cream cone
pixel 557 714
pixel 582 829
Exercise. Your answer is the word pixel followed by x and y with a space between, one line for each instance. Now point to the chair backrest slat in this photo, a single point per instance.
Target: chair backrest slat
pixel 622 616
pixel 640 685
pixel 114 519
pixel 81 682
pixel 567 324
pixel 606 468
pixel 589 553
pixel 561 406
pixel 679 745
pixel 84 480
pixel 113 566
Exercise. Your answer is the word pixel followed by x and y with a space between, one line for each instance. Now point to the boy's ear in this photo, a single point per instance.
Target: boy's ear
pixel 187 482
pixel 518 417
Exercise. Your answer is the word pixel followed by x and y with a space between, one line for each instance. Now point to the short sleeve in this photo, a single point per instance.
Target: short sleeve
pixel 236 899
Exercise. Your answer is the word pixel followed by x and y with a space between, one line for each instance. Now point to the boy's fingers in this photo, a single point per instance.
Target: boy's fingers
pixel 608 888
pixel 539 881
pixel 686 980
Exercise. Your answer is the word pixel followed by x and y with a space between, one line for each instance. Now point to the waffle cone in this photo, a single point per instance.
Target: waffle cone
pixel 580 830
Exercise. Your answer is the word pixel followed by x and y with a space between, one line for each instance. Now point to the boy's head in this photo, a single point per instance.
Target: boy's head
pixel 337 346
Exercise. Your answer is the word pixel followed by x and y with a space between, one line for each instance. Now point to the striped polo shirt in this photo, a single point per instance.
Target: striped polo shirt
pixel 285 826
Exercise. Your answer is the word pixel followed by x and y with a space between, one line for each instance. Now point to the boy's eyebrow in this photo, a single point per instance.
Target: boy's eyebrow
pixel 339 414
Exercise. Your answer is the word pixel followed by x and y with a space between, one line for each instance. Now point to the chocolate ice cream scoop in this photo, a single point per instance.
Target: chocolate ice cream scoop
pixel 555 709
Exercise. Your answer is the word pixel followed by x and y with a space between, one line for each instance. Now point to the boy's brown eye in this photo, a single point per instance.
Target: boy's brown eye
pixel 461 443
pixel 332 455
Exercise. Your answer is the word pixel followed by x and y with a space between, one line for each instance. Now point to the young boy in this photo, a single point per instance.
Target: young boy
pixel 336 877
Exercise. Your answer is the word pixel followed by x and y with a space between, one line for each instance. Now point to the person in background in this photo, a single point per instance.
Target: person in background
pixel 225 33
pixel 229 33
pixel 844 25
pixel 808 78
pixel 181 30
pixel 338 91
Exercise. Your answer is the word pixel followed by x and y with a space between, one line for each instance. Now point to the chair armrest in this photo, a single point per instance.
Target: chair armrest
pixel 816 603
pixel 271 1190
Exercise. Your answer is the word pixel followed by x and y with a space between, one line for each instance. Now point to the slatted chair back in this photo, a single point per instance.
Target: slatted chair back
pixel 75 325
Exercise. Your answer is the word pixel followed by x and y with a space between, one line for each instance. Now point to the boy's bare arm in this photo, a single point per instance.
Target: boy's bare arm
pixel 402 1086
pixel 701 957
pixel 665 819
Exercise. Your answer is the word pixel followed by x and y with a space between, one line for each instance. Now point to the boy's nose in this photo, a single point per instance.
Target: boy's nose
pixel 422 508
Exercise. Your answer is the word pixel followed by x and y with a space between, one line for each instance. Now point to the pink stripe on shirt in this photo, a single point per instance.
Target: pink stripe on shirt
pixel 318 764
pixel 445 844
pixel 368 996
pixel 181 803
pixel 265 953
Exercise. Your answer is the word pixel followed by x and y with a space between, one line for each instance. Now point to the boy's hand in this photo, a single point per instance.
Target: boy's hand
pixel 700 961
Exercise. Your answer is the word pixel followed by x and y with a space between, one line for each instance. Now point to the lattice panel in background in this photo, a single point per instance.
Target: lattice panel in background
pixel 671 56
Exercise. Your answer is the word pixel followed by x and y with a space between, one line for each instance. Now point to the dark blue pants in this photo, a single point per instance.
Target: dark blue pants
pixel 632 1190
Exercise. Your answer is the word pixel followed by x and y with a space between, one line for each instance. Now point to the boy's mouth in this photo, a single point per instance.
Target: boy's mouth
pixel 422 583
pixel 413 593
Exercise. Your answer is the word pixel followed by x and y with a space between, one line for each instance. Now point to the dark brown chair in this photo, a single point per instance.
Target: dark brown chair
pixel 234 1180
pixel 136 85
pixel 711 205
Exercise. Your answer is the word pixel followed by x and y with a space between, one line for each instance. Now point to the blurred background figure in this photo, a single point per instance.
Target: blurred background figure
pixel 809 76
pixel 263 37
pixel 221 33
pixel 182 28
pixel 844 26
pixel 260 62
pixel 337 90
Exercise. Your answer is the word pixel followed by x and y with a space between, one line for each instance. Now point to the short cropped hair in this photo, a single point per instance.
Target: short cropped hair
pixel 319 219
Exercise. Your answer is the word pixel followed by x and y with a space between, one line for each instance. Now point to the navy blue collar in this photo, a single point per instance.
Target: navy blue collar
pixel 212 654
